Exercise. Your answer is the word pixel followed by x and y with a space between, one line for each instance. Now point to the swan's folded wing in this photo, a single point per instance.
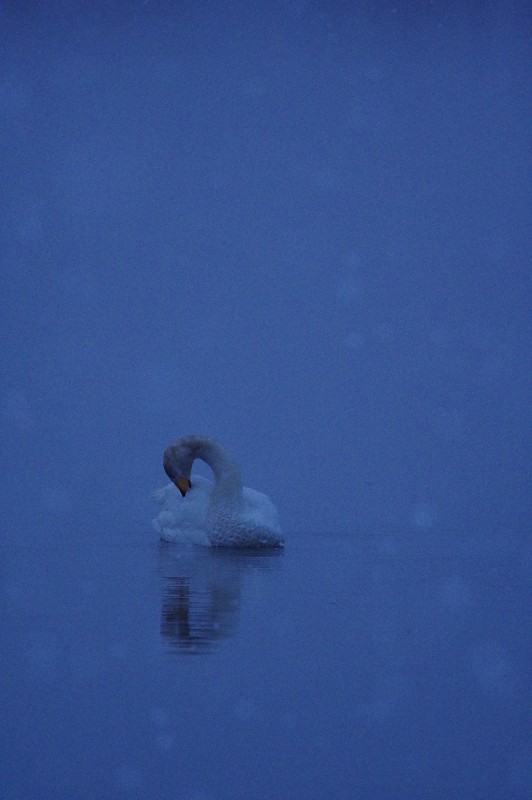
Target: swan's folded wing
pixel 260 510
pixel 182 519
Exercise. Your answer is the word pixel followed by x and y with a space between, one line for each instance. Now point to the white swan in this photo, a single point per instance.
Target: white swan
pixel 223 514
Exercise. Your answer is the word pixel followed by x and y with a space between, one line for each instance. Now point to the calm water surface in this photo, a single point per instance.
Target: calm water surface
pixel 382 665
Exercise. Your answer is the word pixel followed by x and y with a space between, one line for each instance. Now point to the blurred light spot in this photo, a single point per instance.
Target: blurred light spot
pixel 423 517
pixel 448 422
pixel 200 794
pixel 440 337
pixel 79 283
pixel 384 333
pixel 165 741
pixel 159 716
pixel 128 777
pixel 252 87
pixel 43 654
pixel 356 340
pixel 349 290
pixel 15 96
pixel 56 500
pixel 494 672
pixel 25 220
pixel 245 709
pixel 454 594
pixel 118 651
pixel 15 408
pixel 328 178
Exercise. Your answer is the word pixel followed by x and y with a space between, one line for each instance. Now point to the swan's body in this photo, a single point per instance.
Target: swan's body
pixel 223 513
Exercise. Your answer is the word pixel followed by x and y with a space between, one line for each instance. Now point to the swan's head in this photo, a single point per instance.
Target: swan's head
pixel 178 459
pixel 177 464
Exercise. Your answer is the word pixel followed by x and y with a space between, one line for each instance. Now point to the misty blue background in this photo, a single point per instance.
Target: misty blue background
pixel 302 228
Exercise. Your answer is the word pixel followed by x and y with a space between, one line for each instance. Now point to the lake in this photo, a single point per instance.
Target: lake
pixel 362 665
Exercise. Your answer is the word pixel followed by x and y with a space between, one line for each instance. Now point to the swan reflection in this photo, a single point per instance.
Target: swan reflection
pixel 201 590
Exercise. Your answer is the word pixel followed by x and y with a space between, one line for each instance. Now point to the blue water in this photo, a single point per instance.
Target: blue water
pixel 372 664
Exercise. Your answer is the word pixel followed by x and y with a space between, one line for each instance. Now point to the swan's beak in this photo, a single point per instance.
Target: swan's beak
pixel 183 484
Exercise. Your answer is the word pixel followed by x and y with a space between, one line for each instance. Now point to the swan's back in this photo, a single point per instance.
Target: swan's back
pixel 254 523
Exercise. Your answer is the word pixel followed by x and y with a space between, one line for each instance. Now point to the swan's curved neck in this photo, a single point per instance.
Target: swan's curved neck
pixel 226 472
pixel 179 457
pixel 219 461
